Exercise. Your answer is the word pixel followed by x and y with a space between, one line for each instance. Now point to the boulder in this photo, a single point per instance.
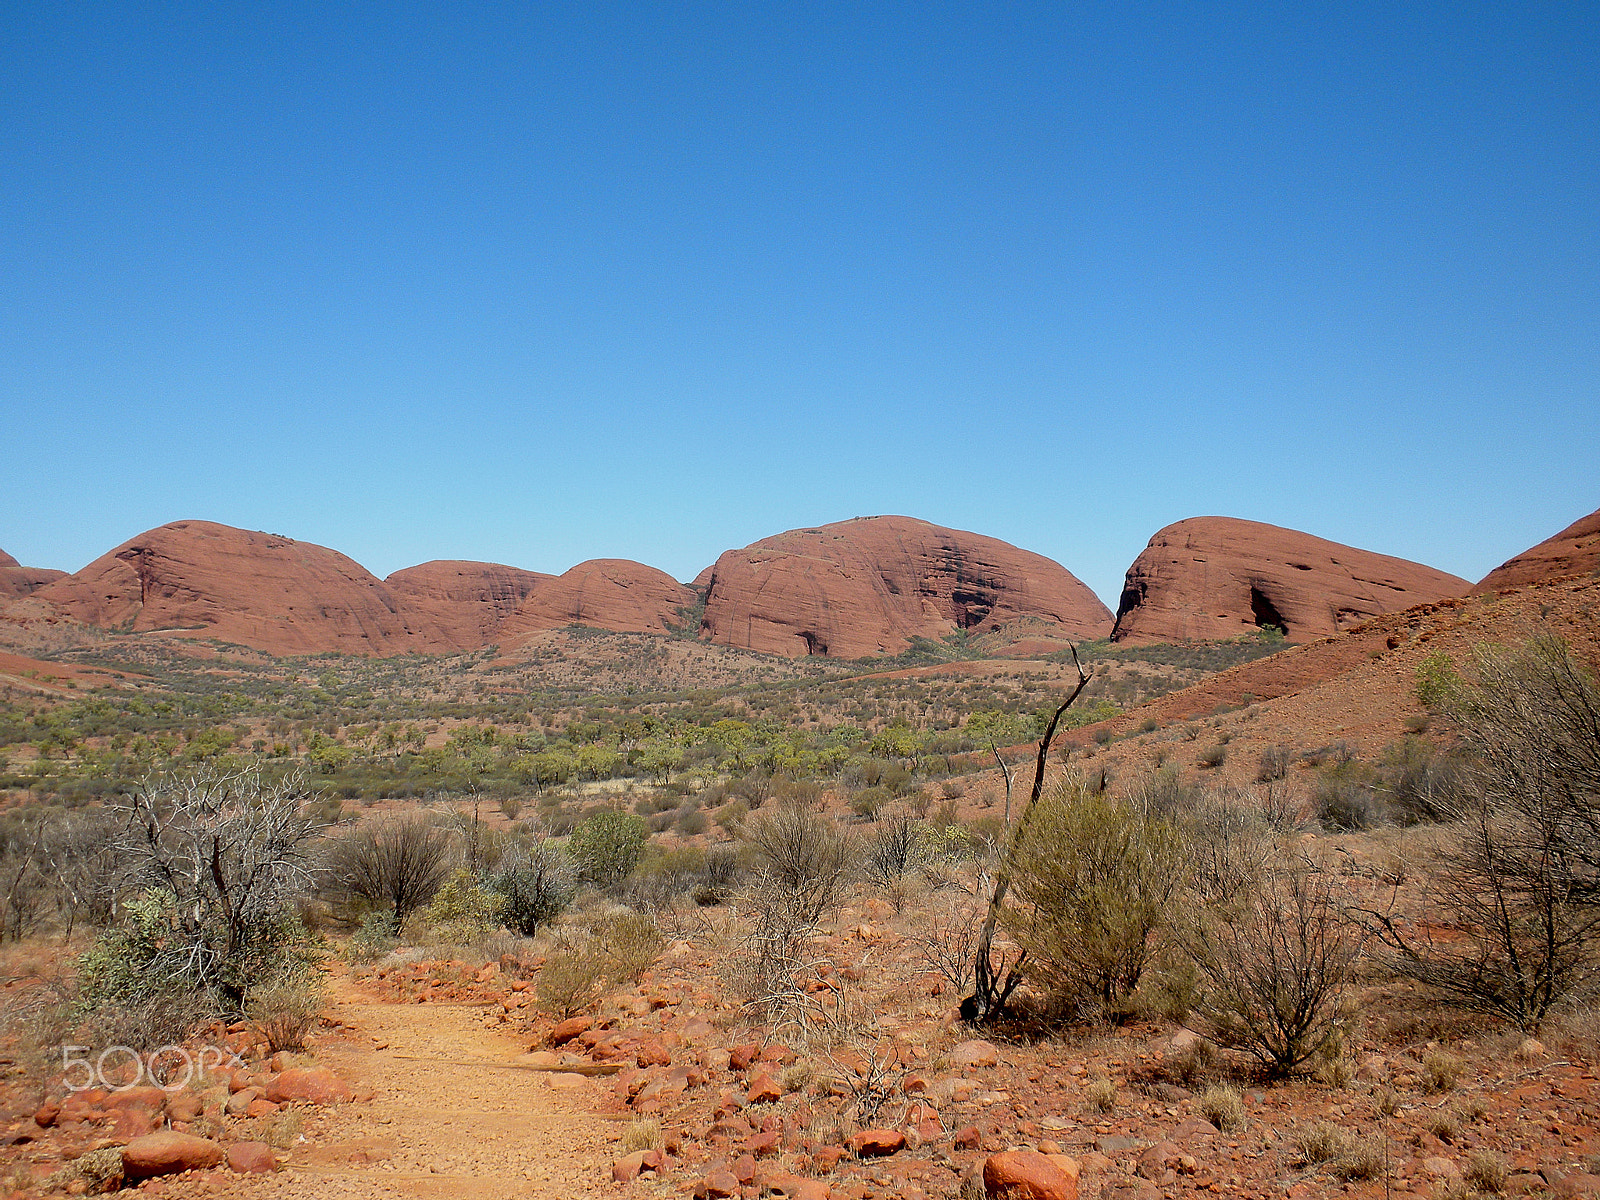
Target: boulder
pixel 571 1028
pixel 1024 1175
pixel 876 1143
pixel 630 1167
pixel 975 1054
pixel 1213 578
pixel 314 1085
pixel 252 1158
pixel 167 1153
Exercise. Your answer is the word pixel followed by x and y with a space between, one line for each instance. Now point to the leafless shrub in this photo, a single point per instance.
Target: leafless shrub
pixel 1519 870
pixel 1277 961
pixel 949 942
pixel 285 1008
pixel 398 862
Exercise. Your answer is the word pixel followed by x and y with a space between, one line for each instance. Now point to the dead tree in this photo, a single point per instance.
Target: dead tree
pixel 992 985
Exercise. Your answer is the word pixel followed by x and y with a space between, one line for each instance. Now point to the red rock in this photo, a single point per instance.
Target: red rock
pixel 652 1054
pixel 260 1108
pixel 797 1188
pixel 1573 551
pixel 867 586
pixel 469 601
pixel 1211 578
pixel 18 580
pixel 875 1143
pixel 571 1028
pixel 740 1057
pixel 975 1053
pixel 763 1145
pixel 629 1168
pixel 46 1114
pixel 132 1123
pixel 317 1085
pixel 256 589
pixel 764 1089
pixel 968 1138
pixel 717 1185
pixel 149 1099
pixel 167 1153
pixel 1024 1175
pixel 252 1158
pixel 185 1106
pixel 607 593
pixel 744 1169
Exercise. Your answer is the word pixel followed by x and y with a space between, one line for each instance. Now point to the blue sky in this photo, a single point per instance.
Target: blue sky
pixel 541 283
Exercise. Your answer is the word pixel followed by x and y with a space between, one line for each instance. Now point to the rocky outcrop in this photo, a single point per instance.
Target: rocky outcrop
pixel 607 593
pixel 1573 551
pixel 255 589
pixel 1211 578
pixel 868 586
pixel 467 600
pixel 18 580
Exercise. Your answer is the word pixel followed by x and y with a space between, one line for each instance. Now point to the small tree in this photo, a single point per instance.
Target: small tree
pixel 605 847
pixel 537 882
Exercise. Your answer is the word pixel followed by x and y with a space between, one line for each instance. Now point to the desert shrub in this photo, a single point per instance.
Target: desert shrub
pixel 1275 762
pixel 284 1007
pixel 1213 756
pixel 1277 960
pixel 804 855
pixel 568 981
pixel 461 911
pixel 398 862
pixel 1223 1106
pixel 375 938
pixel 226 856
pixel 606 846
pixel 643 1133
pixel 1363 1158
pixel 1418 782
pixel 1344 799
pixel 1516 870
pixel 129 991
pixel 536 883
pixel 895 849
pixel 1093 879
pixel 1437 682
pixel 868 802
pixel 719 876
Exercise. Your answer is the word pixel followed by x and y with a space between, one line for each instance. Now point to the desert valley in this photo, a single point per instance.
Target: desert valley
pixel 477 881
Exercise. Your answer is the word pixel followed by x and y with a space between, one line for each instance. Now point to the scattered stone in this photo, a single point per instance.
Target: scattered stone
pixel 570 1028
pixel 167 1153
pixel 629 1168
pixel 252 1158
pixel 975 1054
pixel 876 1143
pixel 315 1085
pixel 1024 1175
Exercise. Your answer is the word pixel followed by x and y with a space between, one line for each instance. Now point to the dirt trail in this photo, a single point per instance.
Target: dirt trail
pixel 455 1115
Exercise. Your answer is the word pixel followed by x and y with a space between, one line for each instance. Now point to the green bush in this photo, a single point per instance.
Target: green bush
pixel 535 885
pixel 1094 879
pixel 606 846
pixel 462 911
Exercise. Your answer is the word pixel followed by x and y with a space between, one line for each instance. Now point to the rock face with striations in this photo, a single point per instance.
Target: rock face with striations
pixel 255 589
pixel 18 580
pixel 468 600
pixel 1211 578
pixel 1573 551
pixel 869 585
pixel 608 593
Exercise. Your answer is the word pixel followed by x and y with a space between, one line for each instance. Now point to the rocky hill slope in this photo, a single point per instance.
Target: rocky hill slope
pixel 869 585
pixel 1210 578
pixel 1573 551
pixel 257 589
pixel 18 580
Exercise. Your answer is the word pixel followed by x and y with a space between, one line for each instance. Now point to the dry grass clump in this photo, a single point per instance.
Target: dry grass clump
pixel 1365 1158
pixel 797 1076
pixel 1443 1125
pixel 1223 1106
pixel 1440 1069
pixel 1387 1101
pixel 1320 1142
pixel 1485 1171
pixel 1101 1093
pixel 285 1008
pixel 643 1134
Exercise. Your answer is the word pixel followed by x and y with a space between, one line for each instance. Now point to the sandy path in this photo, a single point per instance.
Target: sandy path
pixel 455 1116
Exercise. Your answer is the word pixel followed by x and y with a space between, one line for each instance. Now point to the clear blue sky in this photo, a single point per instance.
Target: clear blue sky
pixel 539 283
